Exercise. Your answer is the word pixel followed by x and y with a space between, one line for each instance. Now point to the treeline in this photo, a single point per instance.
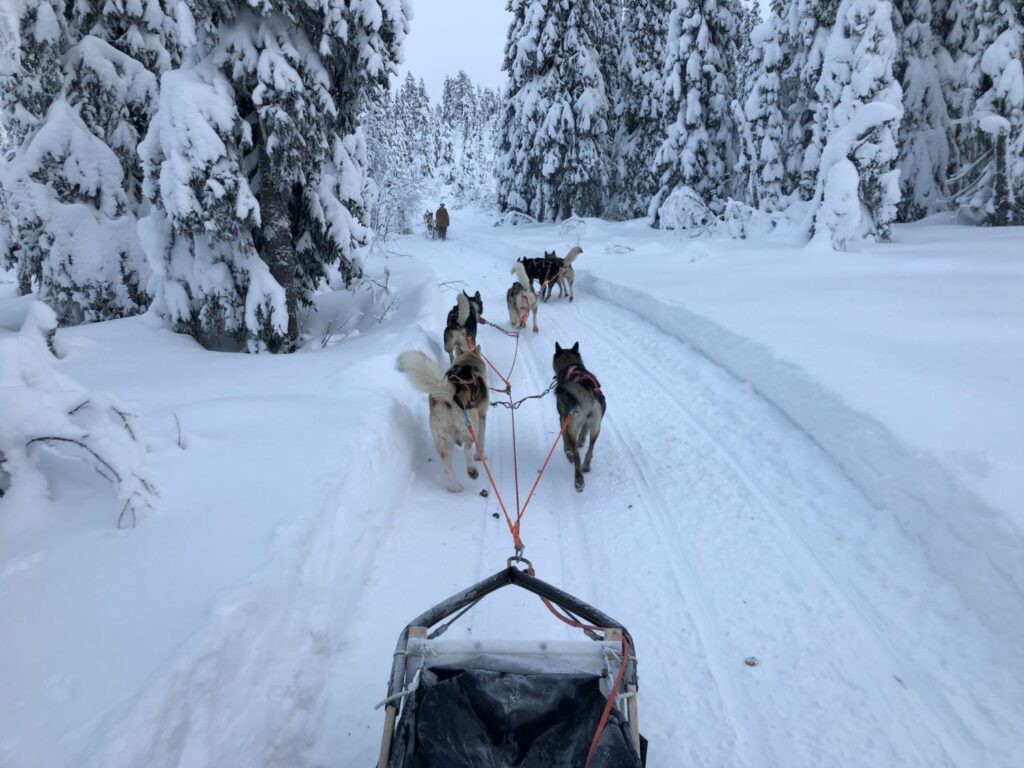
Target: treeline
pixel 862 112
pixel 199 156
pixel 417 149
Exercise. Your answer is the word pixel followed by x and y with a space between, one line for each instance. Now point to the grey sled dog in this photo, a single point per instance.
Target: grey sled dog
pixel 521 299
pixel 579 399
pixel 459 392
pixel 567 275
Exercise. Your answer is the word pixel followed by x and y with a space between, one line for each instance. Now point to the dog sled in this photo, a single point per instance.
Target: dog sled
pixel 467 703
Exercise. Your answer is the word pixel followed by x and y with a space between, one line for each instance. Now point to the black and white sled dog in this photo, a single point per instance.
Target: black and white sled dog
pixel 521 299
pixel 452 397
pixel 567 275
pixel 544 270
pixel 460 330
pixel 551 270
pixel 579 399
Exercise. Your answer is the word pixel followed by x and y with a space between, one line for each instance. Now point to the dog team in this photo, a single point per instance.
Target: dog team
pixel 458 400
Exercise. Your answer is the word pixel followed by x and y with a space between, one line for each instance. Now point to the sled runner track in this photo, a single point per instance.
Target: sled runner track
pixel 617 346
pixel 767 605
pixel 590 557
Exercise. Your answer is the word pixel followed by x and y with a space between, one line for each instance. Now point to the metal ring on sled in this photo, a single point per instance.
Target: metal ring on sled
pixel 554 690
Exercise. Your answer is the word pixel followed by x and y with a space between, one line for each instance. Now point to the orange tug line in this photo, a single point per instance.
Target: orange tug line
pixel 517 542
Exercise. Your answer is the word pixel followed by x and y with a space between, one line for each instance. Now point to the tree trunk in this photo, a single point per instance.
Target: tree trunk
pixel 1000 186
pixel 278 249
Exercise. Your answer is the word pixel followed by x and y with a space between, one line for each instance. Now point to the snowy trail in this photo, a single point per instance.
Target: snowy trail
pixel 711 526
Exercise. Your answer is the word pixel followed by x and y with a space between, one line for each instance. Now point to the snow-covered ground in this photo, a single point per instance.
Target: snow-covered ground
pixel 807 458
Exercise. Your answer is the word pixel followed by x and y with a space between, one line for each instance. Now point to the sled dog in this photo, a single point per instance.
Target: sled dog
pixel 544 270
pixel 521 299
pixel 567 275
pixel 579 399
pixel 460 331
pixel 454 396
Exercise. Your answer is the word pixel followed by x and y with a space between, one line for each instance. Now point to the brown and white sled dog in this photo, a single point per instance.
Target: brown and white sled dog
pixel 460 330
pixel 521 298
pixel 452 396
pixel 579 399
pixel 567 275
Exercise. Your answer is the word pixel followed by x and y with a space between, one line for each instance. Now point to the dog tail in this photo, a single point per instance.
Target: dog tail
pixel 570 257
pixel 424 374
pixel 520 272
pixel 463 309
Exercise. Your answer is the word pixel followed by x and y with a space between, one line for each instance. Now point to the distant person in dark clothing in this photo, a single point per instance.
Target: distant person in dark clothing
pixel 441 222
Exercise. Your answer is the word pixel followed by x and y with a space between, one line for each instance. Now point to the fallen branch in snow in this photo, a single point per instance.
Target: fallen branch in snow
pixel 43 406
pixel 181 437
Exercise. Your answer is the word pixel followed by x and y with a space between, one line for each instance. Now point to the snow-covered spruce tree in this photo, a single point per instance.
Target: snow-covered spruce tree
pixel 697 97
pixel 555 144
pixel 638 109
pixel 416 122
pixel 276 90
pixel 998 194
pixel 393 187
pixel 62 182
pixel 924 141
pixel 806 25
pixel 860 104
pixel 764 116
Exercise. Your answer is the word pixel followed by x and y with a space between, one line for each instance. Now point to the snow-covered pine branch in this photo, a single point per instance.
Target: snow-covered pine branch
pixel 44 407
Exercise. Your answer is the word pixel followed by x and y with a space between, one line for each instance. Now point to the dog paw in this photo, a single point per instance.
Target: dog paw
pixel 536 331
pixel 455 488
pixel 586 467
pixel 473 473
pixel 579 485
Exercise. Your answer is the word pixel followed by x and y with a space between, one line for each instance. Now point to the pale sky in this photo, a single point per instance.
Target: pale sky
pixel 449 35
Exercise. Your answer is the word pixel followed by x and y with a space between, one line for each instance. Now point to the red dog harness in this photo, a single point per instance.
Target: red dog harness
pixel 470 384
pixel 578 375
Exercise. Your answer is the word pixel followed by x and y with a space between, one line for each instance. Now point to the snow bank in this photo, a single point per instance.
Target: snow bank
pixel 248 688
pixel 829 382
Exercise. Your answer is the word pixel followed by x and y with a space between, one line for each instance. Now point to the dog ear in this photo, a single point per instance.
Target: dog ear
pixel 477 296
pixel 576 347
pixel 558 347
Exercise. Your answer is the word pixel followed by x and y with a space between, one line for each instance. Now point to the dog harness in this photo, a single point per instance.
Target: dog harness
pixel 578 374
pixel 470 384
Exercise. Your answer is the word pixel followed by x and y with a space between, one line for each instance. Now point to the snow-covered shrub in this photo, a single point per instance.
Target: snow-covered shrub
pixel 43 407
pixel 685 211
pixel 740 220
